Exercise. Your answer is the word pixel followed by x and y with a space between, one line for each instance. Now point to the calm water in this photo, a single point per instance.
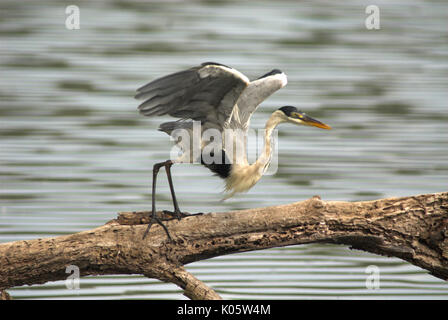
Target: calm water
pixel 74 151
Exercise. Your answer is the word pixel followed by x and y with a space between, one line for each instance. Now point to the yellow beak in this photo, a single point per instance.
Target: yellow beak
pixel 313 122
pixel 319 125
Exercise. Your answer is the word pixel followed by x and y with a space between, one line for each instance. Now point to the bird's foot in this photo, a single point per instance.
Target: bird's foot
pixel 154 219
pixel 171 216
pixel 177 214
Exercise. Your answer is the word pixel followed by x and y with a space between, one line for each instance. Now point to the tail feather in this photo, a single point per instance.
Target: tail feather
pixel 169 127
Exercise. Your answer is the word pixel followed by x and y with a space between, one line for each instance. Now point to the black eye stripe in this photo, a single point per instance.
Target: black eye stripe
pixel 288 110
pixel 270 73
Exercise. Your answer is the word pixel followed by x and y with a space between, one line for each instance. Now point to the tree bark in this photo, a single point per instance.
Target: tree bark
pixel 412 228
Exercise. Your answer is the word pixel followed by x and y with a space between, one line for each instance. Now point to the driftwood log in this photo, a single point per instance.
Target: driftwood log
pixel 412 228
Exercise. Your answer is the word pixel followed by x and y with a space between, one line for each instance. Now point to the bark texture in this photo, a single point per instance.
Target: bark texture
pixel 412 228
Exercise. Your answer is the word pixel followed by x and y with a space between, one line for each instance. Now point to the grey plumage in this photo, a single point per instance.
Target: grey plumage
pixel 220 97
pixel 215 94
pixel 206 93
pixel 169 127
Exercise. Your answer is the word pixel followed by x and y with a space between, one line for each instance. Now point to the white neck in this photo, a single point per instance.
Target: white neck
pixel 264 159
pixel 245 177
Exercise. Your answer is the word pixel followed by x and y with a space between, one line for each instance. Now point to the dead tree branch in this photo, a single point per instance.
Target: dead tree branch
pixel 413 228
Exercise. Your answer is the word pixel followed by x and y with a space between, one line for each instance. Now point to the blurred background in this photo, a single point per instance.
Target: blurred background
pixel 74 151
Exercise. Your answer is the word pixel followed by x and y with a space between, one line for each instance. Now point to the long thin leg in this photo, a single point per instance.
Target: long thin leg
pixel 154 217
pixel 179 214
pixel 177 211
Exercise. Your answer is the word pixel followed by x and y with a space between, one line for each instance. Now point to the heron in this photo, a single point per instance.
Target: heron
pixel 220 98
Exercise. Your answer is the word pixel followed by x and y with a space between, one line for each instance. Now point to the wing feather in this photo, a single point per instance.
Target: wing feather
pixel 207 93
pixel 258 91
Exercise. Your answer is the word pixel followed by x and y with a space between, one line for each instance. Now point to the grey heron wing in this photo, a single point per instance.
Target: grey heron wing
pixel 206 93
pixel 257 91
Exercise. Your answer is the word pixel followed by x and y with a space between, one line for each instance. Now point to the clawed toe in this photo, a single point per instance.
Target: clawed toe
pixel 179 214
pixel 153 220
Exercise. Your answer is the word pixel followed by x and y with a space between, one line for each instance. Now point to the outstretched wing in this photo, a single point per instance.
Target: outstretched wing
pixel 257 91
pixel 205 93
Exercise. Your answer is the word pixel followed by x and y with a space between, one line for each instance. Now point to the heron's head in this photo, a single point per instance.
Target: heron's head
pixel 293 115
